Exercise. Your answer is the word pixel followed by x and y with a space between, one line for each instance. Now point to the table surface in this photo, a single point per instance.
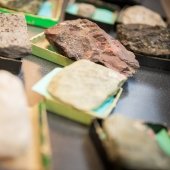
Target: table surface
pixel 145 97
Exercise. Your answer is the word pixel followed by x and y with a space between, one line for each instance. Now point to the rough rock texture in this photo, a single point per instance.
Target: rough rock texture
pixel 83 39
pixel 140 15
pixel 144 39
pixel 13 3
pixel 131 144
pixel 14 40
pixel 85 85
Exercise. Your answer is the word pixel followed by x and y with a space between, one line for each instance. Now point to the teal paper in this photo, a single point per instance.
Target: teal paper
pixel 104 106
pixel 104 15
pixel 72 9
pixel 46 10
pixel 163 140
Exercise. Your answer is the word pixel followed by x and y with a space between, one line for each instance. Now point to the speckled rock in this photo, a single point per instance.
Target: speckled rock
pixel 14 39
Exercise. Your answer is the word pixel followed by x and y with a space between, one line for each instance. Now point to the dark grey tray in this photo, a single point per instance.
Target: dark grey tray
pixel 154 62
pixel 11 65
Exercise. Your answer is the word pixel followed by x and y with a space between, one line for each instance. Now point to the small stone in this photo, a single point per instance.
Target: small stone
pixel 86 10
pixel 14 39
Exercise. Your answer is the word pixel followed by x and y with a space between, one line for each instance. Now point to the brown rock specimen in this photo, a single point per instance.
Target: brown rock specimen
pixel 83 39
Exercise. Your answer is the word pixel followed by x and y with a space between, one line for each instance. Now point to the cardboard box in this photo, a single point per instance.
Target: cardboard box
pixel 105 14
pixel 43 21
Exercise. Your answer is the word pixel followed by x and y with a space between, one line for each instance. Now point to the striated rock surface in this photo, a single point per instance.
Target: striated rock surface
pixel 83 39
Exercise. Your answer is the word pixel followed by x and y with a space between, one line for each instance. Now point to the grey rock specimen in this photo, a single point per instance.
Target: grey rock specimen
pixel 14 39
pixel 85 85
pixel 83 39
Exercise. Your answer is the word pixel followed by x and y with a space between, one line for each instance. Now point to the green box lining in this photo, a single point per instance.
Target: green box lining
pixel 35 20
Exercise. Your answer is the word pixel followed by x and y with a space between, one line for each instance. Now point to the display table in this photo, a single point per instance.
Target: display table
pixel 146 96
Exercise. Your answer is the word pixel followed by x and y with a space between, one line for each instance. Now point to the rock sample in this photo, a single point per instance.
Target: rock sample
pixel 144 39
pixel 15 125
pixel 140 15
pixel 129 143
pixel 14 40
pixel 83 39
pixel 85 85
